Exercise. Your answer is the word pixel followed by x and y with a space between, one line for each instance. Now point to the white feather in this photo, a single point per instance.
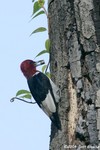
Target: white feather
pixel 48 105
pixel 56 91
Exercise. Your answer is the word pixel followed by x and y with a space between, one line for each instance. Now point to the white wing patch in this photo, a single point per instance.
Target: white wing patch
pixel 56 91
pixel 48 105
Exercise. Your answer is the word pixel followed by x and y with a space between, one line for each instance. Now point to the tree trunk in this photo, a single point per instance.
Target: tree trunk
pixel 74 30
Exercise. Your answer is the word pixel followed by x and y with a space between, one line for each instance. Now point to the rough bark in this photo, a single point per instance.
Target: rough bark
pixel 75 68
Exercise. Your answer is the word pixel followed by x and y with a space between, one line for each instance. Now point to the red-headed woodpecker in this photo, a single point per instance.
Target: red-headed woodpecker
pixel 43 90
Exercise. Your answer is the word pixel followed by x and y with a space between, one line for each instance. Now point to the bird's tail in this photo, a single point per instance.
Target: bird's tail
pixel 56 121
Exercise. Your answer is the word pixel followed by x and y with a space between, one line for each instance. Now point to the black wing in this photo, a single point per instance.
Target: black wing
pixel 39 86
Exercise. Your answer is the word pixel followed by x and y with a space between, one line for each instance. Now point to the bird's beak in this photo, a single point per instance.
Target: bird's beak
pixel 40 62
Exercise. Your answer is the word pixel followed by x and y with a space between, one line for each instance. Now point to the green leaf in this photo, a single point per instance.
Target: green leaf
pixel 39 13
pixel 28 96
pixel 20 92
pixel 41 2
pixel 47 74
pixel 42 52
pixel 36 7
pixel 43 68
pixel 33 0
pixel 47 45
pixel 41 29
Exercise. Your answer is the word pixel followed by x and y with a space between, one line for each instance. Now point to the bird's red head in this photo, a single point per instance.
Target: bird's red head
pixel 28 67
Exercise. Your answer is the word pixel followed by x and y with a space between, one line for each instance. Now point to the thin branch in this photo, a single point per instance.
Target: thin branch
pixel 47 66
pixel 12 100
pixel 45 11
pixel 47 18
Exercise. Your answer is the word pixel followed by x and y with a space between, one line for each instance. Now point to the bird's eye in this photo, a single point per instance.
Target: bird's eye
pixel 30 62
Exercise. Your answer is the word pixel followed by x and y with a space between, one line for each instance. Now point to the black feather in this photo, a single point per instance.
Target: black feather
pixel 40 86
